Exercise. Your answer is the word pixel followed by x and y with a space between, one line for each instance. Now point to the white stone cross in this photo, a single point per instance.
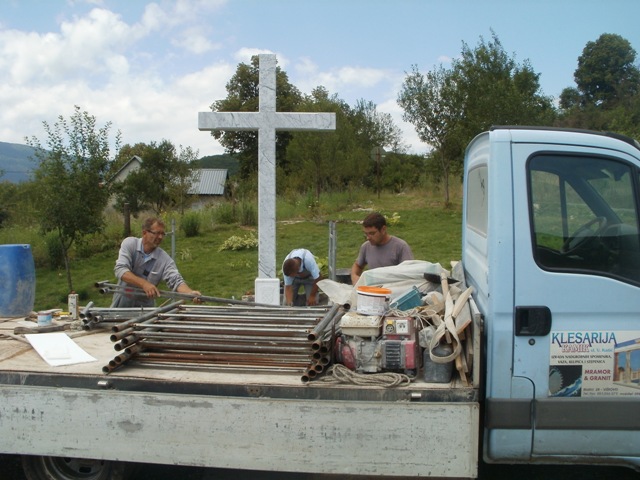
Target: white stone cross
pixel 267 122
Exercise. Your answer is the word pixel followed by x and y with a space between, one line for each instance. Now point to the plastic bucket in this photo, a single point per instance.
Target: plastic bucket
pixel 17 281
pixel 373 300
pixel 44 318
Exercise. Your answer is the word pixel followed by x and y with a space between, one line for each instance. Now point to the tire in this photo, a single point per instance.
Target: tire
pixel 67 468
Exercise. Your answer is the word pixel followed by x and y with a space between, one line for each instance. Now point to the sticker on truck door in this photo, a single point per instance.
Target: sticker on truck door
pixel 594 363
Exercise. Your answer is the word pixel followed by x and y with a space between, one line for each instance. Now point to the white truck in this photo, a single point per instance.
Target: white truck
pixel 552 252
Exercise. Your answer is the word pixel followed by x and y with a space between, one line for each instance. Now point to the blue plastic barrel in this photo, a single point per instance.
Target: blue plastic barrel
pixel 17 281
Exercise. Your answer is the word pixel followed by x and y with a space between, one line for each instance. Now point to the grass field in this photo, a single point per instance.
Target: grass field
pixel 432 231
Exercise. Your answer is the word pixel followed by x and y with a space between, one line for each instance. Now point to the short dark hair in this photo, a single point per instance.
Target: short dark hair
pixel 375 220
pixel 290 266
pixel 148 223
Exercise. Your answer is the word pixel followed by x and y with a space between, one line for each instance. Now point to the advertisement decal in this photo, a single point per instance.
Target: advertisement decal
pixel 594 363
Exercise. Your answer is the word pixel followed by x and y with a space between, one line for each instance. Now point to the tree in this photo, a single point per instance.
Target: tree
pixel 318 157
pixel 333 160
pixel 242 96
pixel 607 91
pixel 377 129
pixel 163 180
pixel 7 199
pixel 484 87
pixel 70 201
pixel 606 73
pixel 430 102
pixel 495 90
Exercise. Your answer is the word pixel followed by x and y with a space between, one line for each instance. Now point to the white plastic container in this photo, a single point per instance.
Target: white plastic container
pixel 73 305
pixel 356 325
pixel 373 300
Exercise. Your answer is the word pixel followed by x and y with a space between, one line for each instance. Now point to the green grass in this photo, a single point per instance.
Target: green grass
pixel 432 231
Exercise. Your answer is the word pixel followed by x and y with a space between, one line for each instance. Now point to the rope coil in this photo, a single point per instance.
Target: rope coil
pixel 340 374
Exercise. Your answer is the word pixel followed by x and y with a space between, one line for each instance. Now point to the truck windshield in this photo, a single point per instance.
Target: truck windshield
pixel 584 215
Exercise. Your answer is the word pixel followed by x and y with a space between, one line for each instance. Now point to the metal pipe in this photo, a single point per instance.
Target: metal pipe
pixel 225 359
pixel 225 309
pixel 322 324
pixel 216 328
pixel 228 339
pixel 145 316
pixel 220 368
pixel 245 319
pixel 113 288
pixel 225 338
pixel 86 309
pixel 218 347
pixel 126 341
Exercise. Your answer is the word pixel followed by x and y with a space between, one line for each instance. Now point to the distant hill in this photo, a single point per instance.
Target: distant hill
pixel 16 162
pixel 221 161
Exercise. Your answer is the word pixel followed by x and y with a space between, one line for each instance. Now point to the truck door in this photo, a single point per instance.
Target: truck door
pixel 577 299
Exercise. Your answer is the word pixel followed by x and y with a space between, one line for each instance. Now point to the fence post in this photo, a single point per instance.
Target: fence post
pixel 333 241
pixel 173 238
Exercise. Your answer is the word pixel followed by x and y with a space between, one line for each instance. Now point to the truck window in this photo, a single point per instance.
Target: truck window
pixel 477 207
pixel 584 215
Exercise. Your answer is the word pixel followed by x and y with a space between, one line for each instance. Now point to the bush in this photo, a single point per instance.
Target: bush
pixel 236 242
pixel 191 224
pixel 224 214
pixel 54 251
pixel 248 215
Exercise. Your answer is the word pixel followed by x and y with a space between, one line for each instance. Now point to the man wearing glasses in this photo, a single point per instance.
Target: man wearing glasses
pixel 143 264
pixel 380 249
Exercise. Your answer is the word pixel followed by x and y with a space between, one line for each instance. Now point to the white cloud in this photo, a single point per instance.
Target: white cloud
pixel 347 80
pixel 89 63
pixel 195 41
pixel 244 54
pixel 146 75
pixel 181 12
pixel 87 47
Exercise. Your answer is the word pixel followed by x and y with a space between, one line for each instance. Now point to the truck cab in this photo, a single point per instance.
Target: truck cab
pixel 551 247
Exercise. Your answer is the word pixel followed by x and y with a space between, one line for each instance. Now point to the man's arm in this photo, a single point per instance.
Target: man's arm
pixel 356 271
pixel 313 297
pixel 149 288
pixel 288 295
pixel 406 253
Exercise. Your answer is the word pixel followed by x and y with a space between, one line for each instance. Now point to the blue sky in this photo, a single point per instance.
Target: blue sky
pixel 150 67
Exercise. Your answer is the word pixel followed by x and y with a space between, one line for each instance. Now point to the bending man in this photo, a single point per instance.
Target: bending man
pixel 143 264
pixel 300 269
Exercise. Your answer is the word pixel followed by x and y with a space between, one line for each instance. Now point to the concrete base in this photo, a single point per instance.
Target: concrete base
pixel 267 291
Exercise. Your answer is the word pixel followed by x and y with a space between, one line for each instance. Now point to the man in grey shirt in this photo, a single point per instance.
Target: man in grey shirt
pixel 380 249
pixel 143 264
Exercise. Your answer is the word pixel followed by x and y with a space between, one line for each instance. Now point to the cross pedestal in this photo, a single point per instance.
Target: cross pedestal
pixel 266 122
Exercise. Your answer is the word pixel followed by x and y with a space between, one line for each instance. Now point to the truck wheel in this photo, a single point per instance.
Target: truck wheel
pixel 67 468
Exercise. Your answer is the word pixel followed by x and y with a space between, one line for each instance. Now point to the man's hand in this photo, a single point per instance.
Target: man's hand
pixel 150 289
pixel 197 294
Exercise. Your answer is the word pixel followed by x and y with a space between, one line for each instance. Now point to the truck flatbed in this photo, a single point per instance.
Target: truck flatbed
pixel 228 419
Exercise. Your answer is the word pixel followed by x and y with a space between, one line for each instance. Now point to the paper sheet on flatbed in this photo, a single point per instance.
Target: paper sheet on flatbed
pixel 58 349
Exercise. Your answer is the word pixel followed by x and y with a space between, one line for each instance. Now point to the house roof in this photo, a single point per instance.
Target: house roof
pixel 209 181
pixel 133 164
